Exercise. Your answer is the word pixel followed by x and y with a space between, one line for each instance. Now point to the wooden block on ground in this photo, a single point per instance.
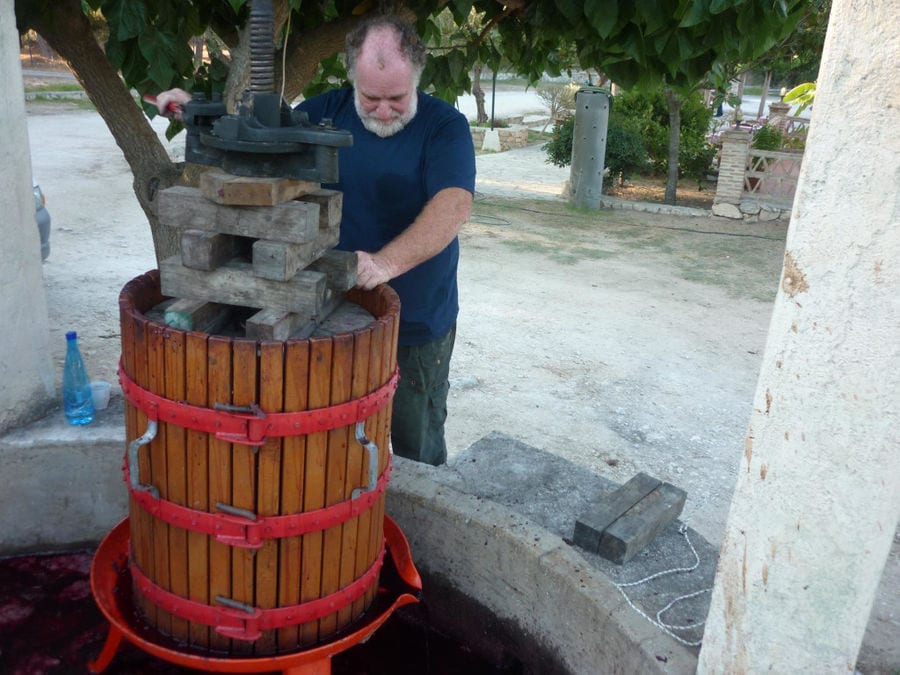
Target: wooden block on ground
pixel 331 205
pixel 198 315
pixel 202 250
pixel 225 188
pixel 642 523
pixel 590 526
pixel 186 208
pixel 281 260
pixel 235 284
pixel 340 266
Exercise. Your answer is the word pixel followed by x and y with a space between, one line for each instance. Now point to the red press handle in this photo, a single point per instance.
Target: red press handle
pixel 151 99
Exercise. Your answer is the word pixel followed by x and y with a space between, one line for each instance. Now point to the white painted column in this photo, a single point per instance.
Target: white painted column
pixel 26 374
pixel 818 494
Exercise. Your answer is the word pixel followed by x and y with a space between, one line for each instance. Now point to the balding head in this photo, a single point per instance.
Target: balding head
pixel 384 62
pixel 382 41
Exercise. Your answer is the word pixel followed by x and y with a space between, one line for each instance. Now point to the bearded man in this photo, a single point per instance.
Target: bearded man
pixel 407 181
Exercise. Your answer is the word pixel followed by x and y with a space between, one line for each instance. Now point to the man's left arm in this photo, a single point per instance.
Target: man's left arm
pixel 430 233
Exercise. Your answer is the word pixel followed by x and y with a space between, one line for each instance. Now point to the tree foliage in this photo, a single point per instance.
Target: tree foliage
pixel 796 57
pixel 638 43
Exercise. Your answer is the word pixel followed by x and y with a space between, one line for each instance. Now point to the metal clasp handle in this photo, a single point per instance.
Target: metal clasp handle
pixel 372 452
pixel 133 468
pixel 251 536
pixel 245 616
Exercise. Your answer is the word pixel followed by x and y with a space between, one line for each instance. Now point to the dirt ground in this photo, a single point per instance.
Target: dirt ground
pixel 621 341
pixel 653 189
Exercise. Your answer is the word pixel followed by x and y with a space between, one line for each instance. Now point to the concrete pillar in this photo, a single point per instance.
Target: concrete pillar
pixel 779 109
pixel 818 494
pixel 26 373
pixel 732 167
pixel 589 146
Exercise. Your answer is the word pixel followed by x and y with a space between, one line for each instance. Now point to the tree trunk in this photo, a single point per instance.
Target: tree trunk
pixel 673 102
pixel 742 80
pixel 307 49
pixel 68 31
pixel 767 81
pixel 480 114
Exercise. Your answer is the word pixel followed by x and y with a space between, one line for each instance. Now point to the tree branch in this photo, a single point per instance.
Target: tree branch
pixel 65 27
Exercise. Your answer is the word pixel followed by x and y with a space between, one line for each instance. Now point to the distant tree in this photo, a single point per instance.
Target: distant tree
pixel 796 58
pixel 559 99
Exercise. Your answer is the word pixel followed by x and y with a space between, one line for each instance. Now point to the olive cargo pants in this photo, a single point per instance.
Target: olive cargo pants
pixel 420 403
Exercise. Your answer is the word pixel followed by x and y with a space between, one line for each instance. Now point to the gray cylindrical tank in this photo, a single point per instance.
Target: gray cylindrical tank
pixel 589 146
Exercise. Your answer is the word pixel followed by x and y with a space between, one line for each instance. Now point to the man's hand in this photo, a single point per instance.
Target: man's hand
pixel 372 269
pixel 171 102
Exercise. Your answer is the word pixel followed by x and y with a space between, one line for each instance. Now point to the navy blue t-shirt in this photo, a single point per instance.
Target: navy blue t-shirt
pixel 386 182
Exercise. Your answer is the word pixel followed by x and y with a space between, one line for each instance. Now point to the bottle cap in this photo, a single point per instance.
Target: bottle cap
pixel 71 335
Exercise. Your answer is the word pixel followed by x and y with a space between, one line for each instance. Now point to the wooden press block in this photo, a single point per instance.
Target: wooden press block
pixel 281 260
pixel 274 324
pixel 331 204
pixel 590 526
pixel 346 318
pixel 629 519
pixel 234 284
pixel 268 324
pixel 340 266
pixel 186 208
pixel 642 523
pixel 225 188
pixel 199 315
pixel 202 250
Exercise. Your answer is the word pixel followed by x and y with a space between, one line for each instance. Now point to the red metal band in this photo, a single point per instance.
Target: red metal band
pixel 245 533
pixel 248 624
pixel 254 429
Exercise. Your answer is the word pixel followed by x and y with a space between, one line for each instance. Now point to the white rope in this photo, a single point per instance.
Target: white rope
pixel 659 623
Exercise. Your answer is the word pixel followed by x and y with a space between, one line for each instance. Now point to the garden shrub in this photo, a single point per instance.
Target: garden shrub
pixel 638 136
pixel 767 137
pixel 559 147
pixel 626 154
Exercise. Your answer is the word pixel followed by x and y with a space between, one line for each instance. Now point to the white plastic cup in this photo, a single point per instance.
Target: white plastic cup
pixel 100 394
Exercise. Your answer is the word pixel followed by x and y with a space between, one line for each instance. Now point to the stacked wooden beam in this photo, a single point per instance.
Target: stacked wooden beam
pixel 261 243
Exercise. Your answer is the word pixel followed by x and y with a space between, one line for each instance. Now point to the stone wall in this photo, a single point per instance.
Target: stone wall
pixel 499 140
pixel 731 200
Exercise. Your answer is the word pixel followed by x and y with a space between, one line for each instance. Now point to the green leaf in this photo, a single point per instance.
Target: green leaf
pixel 633 45
pixel 161 52
pixel 804 95
pixel 651 15
pixel 430 32
pixel 456 66
pixel 127 19
pixel 115 53
pixel 460 10
pixel 696 13
pixel 719 6
pixel 602 15
pixel 571 10
pixel 237 4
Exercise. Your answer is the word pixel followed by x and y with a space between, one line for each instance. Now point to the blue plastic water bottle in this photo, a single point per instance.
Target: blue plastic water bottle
pixel 76 386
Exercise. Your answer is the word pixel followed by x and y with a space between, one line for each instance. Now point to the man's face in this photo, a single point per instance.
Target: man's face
pixel 385 90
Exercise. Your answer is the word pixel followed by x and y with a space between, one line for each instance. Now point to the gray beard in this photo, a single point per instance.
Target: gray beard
pixel 386 129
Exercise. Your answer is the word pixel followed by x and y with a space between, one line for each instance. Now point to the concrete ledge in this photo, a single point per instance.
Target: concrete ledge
pixel 648 207
pixel 526 575
pixel 61 486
